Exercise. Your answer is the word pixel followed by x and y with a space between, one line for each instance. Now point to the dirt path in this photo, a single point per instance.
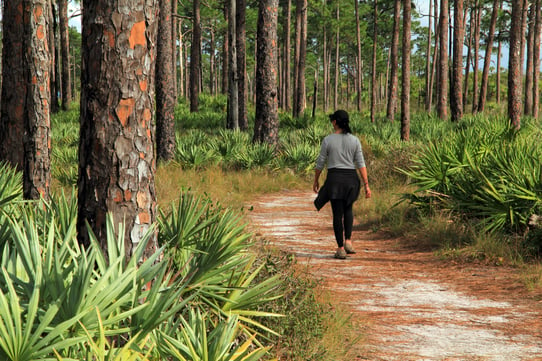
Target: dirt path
pixel 416 306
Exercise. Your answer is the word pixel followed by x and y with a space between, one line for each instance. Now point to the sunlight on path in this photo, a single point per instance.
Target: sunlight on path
pixel 412 315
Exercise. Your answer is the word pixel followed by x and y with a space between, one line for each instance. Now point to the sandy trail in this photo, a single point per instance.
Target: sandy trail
pixel 417 307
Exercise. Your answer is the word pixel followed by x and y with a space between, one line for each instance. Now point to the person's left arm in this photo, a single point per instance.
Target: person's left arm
pixel 365 181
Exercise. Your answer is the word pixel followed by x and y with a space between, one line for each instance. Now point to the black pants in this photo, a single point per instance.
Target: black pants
pixel 343 220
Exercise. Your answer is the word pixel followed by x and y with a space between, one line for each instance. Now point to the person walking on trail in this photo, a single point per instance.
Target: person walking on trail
pixel 342 153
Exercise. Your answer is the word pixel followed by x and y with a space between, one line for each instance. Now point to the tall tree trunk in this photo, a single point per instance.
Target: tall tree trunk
pixel 174 47
pixel 428 88
pixel 528 89
pixel 373 65
pixel 212 61
pixel 487 59
pixel 301 27
pixel 436 52
pixel 514 65
pixel 195 57
pixel 14 85
pixel 536 59
pixel 165 86
pixel 337 74
pixel 226 50
pixel 456 98
pixel 315 93
pixel 266 122
pixel 442 105
pixel 394 60
pixel 498 75
pixel 297 44
pixel 358 62
pixel 405 88
pixel 182 83
pixel 37 138
pixel 477 23
pixel 65 53
pixel 468 61
pixel 232 121
pixel 240 27
pixel 325 66
pixel 524 17
pixel 117 161
pixel 54 56
pixel 287 76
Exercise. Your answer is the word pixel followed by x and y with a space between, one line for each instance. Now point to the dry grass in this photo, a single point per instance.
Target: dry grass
pixel 230 188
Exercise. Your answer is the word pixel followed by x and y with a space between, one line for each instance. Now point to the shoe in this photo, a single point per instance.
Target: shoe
pixel 348 248
pixel 340 254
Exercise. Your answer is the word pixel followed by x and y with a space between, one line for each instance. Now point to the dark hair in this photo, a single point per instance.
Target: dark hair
pixel 342 119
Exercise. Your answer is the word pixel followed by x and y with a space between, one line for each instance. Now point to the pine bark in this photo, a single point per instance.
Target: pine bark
pixel 476 41
pixel 37 140
pixel 428 87
pixel 373 63
pixel 488 52
pixel 232 121
pixel 25 140
pixel 195 57
pixel 266 122
pixel 54 56
pixel 405 88
pixel 301 55
pixel 14 85
pixel 468 61
pixel 165 86
pixel 117 161
pixel 358 60
pixel 442 103
pixel 528 88
pixel 514 65
pixel 240 22
pixel 536 59
pixel 65 53
pixel 286 69
pixel 337 52
pixel 456 96
pixel 394 59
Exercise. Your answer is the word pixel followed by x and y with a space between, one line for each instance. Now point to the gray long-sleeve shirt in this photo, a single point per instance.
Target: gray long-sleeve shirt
pixel 340 151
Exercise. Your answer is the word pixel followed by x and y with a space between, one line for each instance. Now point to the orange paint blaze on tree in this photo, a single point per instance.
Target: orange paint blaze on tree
pixel 137 35
pixel 124 109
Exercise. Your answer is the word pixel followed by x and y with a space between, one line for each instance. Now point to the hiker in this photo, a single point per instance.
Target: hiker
pixel 341 151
